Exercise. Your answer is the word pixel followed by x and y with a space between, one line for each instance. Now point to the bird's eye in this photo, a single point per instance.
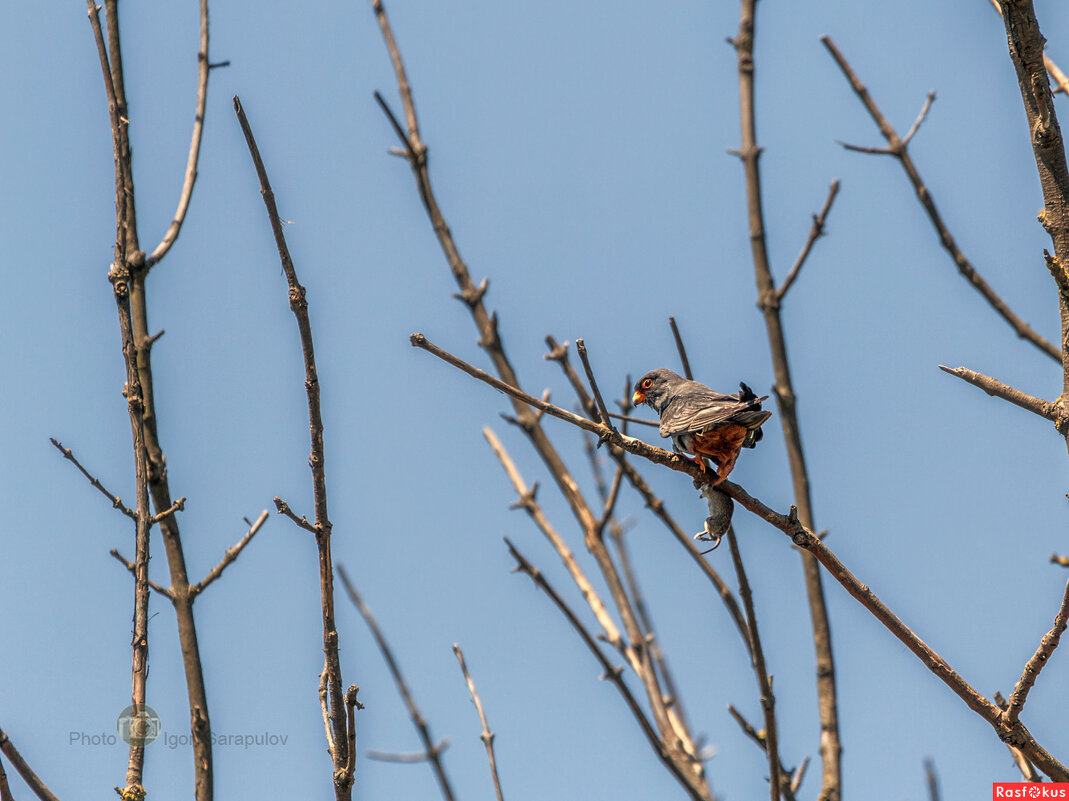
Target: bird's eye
pixel 647 383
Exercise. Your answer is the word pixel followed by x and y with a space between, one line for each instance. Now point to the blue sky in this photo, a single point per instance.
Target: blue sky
pixel 580 155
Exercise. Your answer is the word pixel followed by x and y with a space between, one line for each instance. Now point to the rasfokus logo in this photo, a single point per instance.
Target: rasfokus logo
pixel 1029 790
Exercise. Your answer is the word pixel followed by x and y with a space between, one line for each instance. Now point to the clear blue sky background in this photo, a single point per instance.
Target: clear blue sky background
pixel 579 152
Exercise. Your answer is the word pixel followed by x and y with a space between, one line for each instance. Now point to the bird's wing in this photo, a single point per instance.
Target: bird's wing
pixel 696 411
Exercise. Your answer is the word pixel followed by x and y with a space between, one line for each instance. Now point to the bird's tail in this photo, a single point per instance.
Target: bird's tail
pixel 753 421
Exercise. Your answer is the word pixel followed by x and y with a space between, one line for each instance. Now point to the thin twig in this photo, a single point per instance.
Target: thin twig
pixel 611 672
pixel 964 266
pixel 1039 660
pixel 203 68
pixel 920 118
pixel 815 232
pixel 559 354
pixel 679 347
pixel 395 671
pixel 283 508
pixel 409 758
pixel 115 500
pixel 166 593
pixel 177 506
pixel 798 776
pixel 403 85
pixel 610 501
pixel 995 388
pixel 595 468
pixel 599 401
pixel 230 555
pixel 487 736
pixel 931 779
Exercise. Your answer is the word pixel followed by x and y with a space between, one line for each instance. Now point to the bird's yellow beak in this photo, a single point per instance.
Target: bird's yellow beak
pixel 638 398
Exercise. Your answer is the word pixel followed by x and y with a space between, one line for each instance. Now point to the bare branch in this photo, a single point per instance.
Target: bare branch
pixel 5 788
pixel 815 232
pixel 298 303
pixel 7 748
pixel 1061 82
pixel 324 705
pixel 487 736
pixel 413 711
pixel 1039 660
pixel 203 68
pixel 115 500
pixel 994 387
pixel 230 555
pixel 898 148
pixel 764 683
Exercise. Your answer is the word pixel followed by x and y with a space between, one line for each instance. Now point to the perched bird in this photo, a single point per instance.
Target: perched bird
pixel 700 421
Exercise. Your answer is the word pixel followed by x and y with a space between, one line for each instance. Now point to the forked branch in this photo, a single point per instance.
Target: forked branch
pixel 898 148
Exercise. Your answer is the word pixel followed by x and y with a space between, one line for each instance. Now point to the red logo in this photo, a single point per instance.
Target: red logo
pixel 1029 790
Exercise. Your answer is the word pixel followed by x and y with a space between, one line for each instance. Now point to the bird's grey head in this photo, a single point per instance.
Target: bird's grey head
pixel 653 388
